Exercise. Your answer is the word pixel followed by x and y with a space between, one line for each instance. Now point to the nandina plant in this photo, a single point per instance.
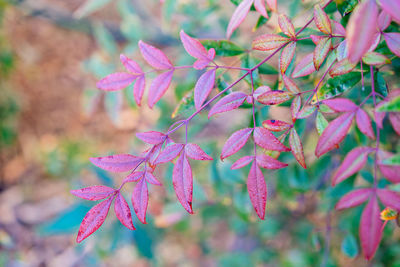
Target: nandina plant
pixel 349 51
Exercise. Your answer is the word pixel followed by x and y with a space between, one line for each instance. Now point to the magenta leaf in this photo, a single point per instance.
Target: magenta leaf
pixel 150 178
pixel 340 104
pixel 334 133
pixel 123 212
pixel 194 47
pixel 159 86
pixel 276 125
pixel 259 91
pixel 361 29
pixel 151 137
pixel 201 63
pixel 287 56
pixel 260 7
pixel 392 7
pixel 393 42
pixel 364 123
pixel 203 87
pixel 370 228
pixel 305 66
pixel 267 140
pixel 240 163
pixel 193 151
pixel 267 162
pixel 116 81
pixel 257 190
pixel 286 25
pixel 235 142
pixel 133 177
pixel 352 163
pixel 297 147
pixel 290 85
pixel 338 28
pixel 140 199
pixel 384 20
pixel 94 219
pixel 389 198
pixel 169 153
pixel 238 16
pixel 390 172
pixel 138 89
pixel 228 103
pixel 117 163
pixel 322 20
pixel 130 65
pixel 182 179
pixel 295 107
pixel 95 192
pixel 394 118
pixel 321 52
pixel 154 56
pixel 274 97
pixel 354 198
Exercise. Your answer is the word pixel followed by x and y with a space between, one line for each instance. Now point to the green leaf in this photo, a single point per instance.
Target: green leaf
pixel 393 105
pixel 394 160
pixel 260 22
pixel 349 246
pixel 185 106
pixel 89 7
pixel 223 48
pixel 346 6
pixel 380 84
pixel 320 123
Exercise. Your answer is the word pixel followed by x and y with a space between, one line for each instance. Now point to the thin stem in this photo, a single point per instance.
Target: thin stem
pixel 253 110
pixel 315 90
pixel 378 130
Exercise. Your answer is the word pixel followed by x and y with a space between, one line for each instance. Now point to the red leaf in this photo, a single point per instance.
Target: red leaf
pixel 389 198
pixel 276 125
pixel 267 140
pixel 235 142
pixel 352 163
pixel 150 178
pixel 194 47
pixel 290 85
pixel 117 163
pixel 274 97
pixel 238 16
pixel 364 123
pixel 260 7
pixel 394 118
pixel 287 56
pixel 182 179
pixel 123 212
pixel 203 87
pixel 370 228
pixel 140 199
pixel 193 151
pixel 297 147
pixel 240 163
pixel 257 190
pixel 305 66
pixel 286 25
pixel 340 104
pixel 169 153
pixel 322 20
pixel 133 177
pixel 130 65
pixel 116 81
pixel 267 162
pixel 151 137
pixel 384 20
pixel 393 42
pixel 321 51
pixel 228 103
pixel 94 219
pixel 334 133
pixel 158 87
pixel 361 29
pixel 354 198
pixel 138 89
pixel 392 7
pixel 95 192
pixel 154 56
pixel 268 42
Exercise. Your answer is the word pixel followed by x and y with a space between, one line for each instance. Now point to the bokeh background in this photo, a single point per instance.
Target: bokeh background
pixel 52 119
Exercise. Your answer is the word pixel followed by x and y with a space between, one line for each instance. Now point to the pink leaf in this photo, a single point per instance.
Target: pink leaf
pixel 389 198
pixel 361 29
pixel 228 103
pixel 193 151
pixel 116 81
pixel 95 192
pixel 334 133
pixel 321 51
pixel 260 7
pixel 290 85
pixel 384 20
pixel 240 163
pixel 274 97
pixel 133 177
pixel 394 118
pixel 370 228
pixel 317 38
pixel 342 67
pixel 341 51
pixel 158 87
pixel 364 123
pixel 390 172
pixel 267 162
pixel 200 64
pixel 259 91
pixel 123 212
pixel 155 151
pixel 268 42
pixel 297 147
pixel 257 190
pixel 117 163
pixel 393 42
pixel 238 16
pixel 235 142
pixel 151 137
pixel 182 179
pixel 392 7
pixel 267 140
pixel 195 48
pixel 140 199
pixel 203 87
pixel 287 56
pixel 286 25
pixel 338 28
pixel 130 65
pixel 352 163
pixel 276 125
pixel 322 20
pixel 354 198
pixel 305 66
pixel 295 107
pixel 169 153
pixel 154 56
pixel 138 89
pixel 340 104
pixel 150 178
pixel 272 5
pixel 94 219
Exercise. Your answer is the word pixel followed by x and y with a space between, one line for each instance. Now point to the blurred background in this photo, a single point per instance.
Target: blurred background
pixel 52 119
